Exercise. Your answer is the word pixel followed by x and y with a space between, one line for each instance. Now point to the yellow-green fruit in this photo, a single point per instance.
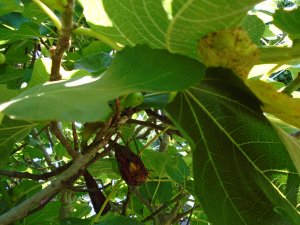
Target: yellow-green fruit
pixel 232 49
pixel 132 100
pixel 172 95
pixel 2 59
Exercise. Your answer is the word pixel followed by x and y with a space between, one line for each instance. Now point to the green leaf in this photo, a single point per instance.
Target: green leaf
pixel 16 54
pixel 8 6
pixel 255 28
pixel 33 12
pixel 11 77
pixel 240 165
pixel 13 20
pixel 152 22
pixel 7 94
pixel 11 132
pixel 41 72
pixel 156 163
pixel 178 169
pixel 96 62
pixel 25 189
pixel 196 18
pixel 292 145
pixel 103 166
pixel 288 21
pixel 133 70
pixel 75 221
pixel 128 22
pixel 95 47
pixel 117 220
pixel 27 30
pixel 157 191
pixel 46 216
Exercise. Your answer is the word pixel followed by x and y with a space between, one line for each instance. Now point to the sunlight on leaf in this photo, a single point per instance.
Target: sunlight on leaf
pixel 86 99
pixel 276 103
pixel 292 145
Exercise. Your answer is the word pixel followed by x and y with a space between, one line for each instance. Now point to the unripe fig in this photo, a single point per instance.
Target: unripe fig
pixel 2 59
pixel 132 100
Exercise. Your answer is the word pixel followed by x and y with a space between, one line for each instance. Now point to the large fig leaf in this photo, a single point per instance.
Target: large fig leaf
pixel 12 131
pixel 174 25
pixel 86 99
pixel 243 173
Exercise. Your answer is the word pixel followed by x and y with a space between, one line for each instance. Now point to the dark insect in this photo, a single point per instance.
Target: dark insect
pixel 131 167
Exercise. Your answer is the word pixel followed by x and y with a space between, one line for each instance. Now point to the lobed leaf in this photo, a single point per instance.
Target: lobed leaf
pixel 288 21
pixel 11 132
pixel 240 164
pixel 173 25
pixel 86 99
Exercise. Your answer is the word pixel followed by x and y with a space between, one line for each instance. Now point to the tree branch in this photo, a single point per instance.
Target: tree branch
pixel 63 42
pixel 61 137
pixel 164 206
pixel 162 118
pixel 43 149
pixel 70 175
pixel 44 176
pixel 75 137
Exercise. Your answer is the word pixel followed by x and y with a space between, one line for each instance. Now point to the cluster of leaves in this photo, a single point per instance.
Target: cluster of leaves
pixel 164 82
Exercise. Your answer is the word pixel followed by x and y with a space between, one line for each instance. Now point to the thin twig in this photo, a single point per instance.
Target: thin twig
pixel 182 215
pixel 71 174
pixel 43 149
pixel 162 118
pixel 44 176
pixel 292 86
pixel 127 200
pixel 63 140
pixel 75 137
pixel 84 189
pixel 164 206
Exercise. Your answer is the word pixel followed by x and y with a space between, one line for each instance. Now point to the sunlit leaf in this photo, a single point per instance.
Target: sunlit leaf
pixel 173 25
pixel 276 103
pixel 292 145
pixel 255 28
pixel 288 21
pixel 27 30
pixel 86 99
pixel 8 6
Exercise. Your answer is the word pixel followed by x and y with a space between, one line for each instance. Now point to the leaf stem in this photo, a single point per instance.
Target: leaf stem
pixel 279 55
pixel 153 139
pixel 94 34
pixel 292 86
pixel 49 13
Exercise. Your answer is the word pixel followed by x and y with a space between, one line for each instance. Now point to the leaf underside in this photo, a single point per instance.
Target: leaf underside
pixel 240 164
